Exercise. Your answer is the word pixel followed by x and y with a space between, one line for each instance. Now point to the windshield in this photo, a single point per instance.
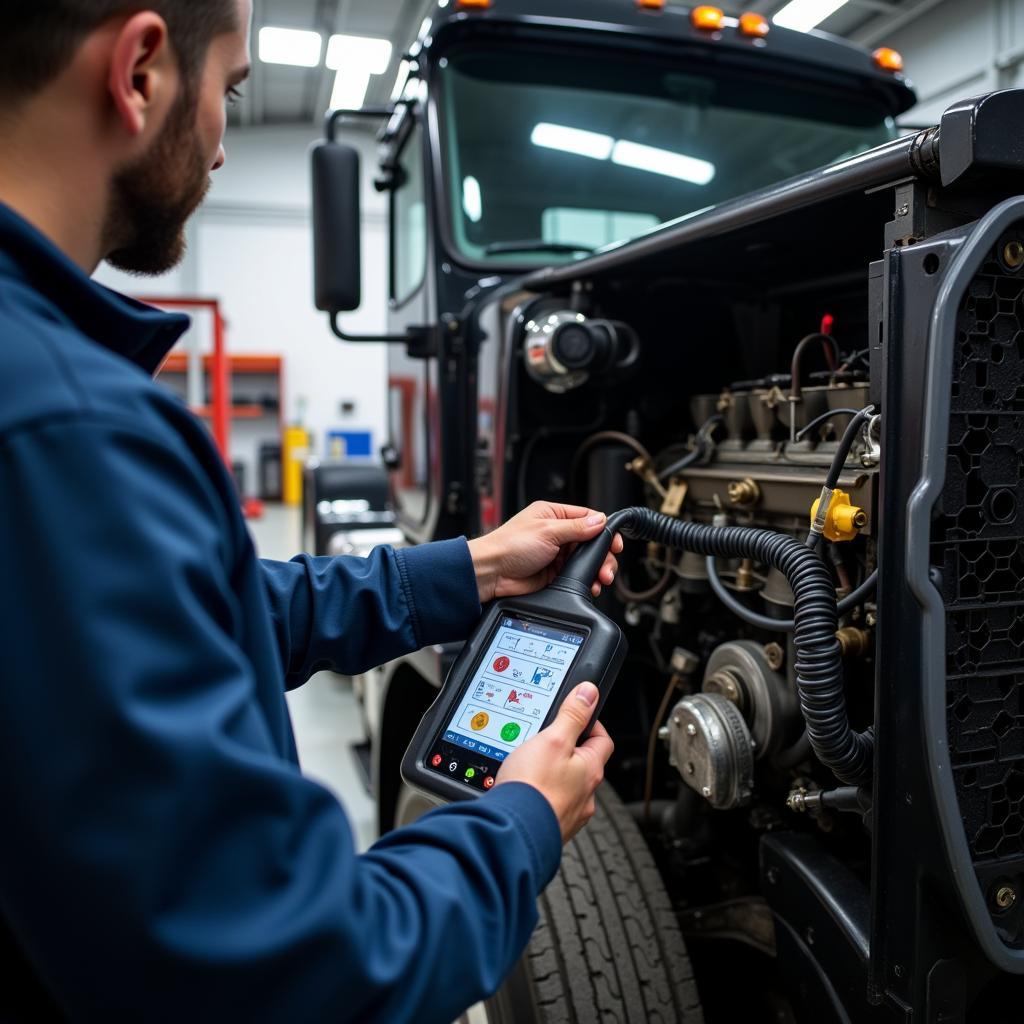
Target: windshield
pixel 551 155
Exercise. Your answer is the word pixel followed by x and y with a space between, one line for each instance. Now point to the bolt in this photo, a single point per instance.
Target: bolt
pixel 860 519
pixel 684 662
pixel 663 733
pixel 677 720
pixel 1013 255
pixel 689 768
pixel 898 970
pixel 903 210
pixel 724 684
pixel 691 729
pixel 775 656
pixel 1006 896
pixel 743 492
pixel 705 791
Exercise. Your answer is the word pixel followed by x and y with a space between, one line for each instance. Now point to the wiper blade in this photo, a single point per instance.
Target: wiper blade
pixel 534 245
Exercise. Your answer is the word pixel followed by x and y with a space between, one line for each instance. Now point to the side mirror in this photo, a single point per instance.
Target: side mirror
pixel 337 241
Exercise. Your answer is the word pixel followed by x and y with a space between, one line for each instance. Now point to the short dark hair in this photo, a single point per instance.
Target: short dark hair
pixel 38 38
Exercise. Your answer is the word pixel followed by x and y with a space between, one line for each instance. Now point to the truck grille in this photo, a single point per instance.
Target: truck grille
pixel 976 538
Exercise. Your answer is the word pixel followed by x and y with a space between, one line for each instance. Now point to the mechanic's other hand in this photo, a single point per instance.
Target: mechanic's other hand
pixel 528 552
pixel 565 774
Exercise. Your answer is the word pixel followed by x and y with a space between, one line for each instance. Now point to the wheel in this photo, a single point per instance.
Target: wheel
pixel 607 946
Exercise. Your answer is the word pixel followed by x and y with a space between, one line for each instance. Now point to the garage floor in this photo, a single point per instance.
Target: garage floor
pixel 325 713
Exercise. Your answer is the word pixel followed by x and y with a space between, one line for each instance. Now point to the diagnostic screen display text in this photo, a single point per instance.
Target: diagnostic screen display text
pixel 507 699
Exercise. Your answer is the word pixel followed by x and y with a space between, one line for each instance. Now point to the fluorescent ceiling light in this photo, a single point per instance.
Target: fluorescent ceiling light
pixel 803 15
pixel 663 161
pixel 472 199
pixel 350 88
pixel 362 52
pixel 400 82
pixel 290 46
pixel 573 140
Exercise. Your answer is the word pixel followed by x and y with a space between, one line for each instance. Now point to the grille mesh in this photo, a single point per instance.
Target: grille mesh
pixel 976 545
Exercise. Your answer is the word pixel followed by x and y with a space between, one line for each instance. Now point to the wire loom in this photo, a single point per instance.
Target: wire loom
pixel 819 669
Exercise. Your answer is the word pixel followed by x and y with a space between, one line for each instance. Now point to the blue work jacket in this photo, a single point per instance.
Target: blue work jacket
pixel 161 855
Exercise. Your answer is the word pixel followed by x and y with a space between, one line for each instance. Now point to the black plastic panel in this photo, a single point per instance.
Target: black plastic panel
pixel 976 540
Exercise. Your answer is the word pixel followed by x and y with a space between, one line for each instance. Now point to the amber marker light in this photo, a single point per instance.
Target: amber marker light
pixel 890 60
pixel 651 5
pixel 755 25
pixel 711 19
pixel 473 3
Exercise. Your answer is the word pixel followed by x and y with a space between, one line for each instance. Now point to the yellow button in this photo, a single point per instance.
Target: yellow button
pixel 480 721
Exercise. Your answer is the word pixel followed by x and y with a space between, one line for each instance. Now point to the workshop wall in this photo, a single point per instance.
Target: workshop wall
pixel 250 246
pixel 956 49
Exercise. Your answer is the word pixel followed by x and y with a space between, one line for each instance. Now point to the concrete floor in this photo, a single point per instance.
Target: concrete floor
pixel 325 713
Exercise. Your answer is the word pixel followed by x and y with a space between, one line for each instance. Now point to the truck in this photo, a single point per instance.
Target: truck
pixel 651 256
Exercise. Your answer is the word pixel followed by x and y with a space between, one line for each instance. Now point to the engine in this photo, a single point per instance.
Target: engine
pixel 723 742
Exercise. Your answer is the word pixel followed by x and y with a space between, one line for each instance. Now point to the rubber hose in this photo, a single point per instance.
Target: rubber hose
pixel 748 615
pixel 819 667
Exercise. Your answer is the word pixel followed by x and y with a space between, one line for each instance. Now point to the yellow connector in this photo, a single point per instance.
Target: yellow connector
pixel 842 521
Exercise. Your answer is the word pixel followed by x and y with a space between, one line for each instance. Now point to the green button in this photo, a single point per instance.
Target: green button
pixel 470 772
pixel 510 731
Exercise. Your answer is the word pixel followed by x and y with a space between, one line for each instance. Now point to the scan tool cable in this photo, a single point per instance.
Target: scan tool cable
pixel 819 668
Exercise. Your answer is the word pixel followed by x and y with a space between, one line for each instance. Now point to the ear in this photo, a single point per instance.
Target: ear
pixel 143 71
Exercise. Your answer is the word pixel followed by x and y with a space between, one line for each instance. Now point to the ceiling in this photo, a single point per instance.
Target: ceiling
pixel 279 95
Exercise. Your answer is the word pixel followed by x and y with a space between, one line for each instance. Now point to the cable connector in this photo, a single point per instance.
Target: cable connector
pixel 834 517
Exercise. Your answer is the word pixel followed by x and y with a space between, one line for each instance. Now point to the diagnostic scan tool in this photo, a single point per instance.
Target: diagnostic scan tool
pixel 525 656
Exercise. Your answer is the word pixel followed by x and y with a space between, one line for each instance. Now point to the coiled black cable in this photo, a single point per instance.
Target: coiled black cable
pixel 819 669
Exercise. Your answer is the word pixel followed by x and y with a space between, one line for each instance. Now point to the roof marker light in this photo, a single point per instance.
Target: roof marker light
pixel 889 59
pixel 755 25
pixel 473 3
pixel 711 19
pixel 651 5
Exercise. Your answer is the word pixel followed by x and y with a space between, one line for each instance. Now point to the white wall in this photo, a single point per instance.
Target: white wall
pixel 955 49
pixel 250 247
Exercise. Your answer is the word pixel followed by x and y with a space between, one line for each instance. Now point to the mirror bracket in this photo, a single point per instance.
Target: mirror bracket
pixel 420 342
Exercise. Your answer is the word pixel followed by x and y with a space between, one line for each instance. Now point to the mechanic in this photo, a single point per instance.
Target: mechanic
pixel 163 857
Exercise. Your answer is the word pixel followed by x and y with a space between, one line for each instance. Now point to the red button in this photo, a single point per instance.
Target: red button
pixel 436 760
pixel 488 782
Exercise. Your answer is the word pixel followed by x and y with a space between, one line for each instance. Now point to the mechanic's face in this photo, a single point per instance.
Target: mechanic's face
pixel 153 198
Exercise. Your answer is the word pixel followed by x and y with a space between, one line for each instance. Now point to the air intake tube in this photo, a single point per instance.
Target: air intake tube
pixel 819 669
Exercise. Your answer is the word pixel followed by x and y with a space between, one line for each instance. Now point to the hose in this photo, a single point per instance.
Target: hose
pixel 852 600
pixel 700 452
pixel 842 453
pixel 831 358
pixel 818 668
pixel 824 417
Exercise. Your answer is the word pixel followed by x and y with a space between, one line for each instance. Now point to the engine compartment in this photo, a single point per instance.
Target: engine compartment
pixel 712 749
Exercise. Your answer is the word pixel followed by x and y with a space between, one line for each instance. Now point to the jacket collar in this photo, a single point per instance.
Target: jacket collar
pixel 140 333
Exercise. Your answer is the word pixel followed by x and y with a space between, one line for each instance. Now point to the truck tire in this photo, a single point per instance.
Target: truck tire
pixel 607 946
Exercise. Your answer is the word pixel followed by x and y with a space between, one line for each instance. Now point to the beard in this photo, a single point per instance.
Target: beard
pixel 153 198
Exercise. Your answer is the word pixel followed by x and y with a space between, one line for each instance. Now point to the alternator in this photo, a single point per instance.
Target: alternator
pixel 710 745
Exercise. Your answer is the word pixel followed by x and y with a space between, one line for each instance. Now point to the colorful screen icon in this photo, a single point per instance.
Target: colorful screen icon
pixel 501 664
pixel 510 731
pixel 479 721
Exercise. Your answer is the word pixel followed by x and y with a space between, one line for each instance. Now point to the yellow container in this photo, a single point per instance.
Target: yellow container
pixel 294 453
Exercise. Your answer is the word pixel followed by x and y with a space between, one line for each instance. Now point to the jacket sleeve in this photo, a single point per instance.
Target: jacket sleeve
pixel 349 614
pixel 160 858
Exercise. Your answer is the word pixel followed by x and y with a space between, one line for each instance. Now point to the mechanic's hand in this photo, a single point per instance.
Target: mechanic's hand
pixel 565 774
pixel 528 552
